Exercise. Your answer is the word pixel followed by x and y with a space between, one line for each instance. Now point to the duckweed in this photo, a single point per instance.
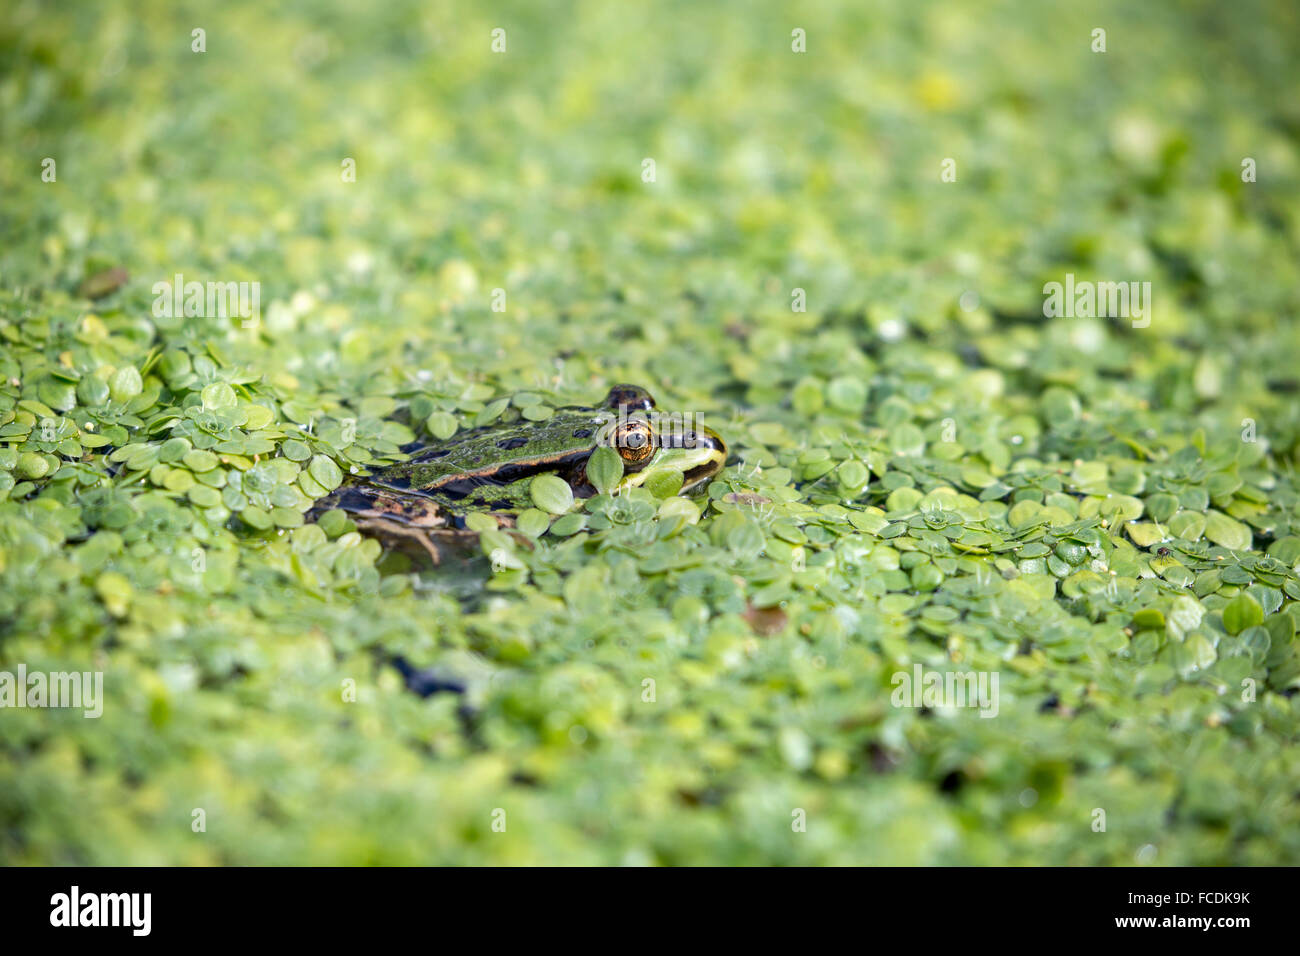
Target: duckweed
pixel 926 470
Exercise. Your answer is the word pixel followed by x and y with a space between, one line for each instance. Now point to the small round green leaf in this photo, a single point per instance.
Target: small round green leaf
pixel 1242 612
pixel 441 425
pixel 604 469
pixel 125 384
pixel 551 493
pixel 664 484
pixel 532 522
pixel 219 395
pixel 327 474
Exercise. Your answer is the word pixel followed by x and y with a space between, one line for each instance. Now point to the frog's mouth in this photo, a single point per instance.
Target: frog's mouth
pixel 698 453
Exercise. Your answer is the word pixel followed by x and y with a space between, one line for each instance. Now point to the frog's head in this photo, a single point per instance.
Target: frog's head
pixel 651 442
pixel 650 446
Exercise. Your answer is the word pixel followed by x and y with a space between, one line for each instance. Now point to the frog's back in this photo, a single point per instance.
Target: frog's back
pixel 497 454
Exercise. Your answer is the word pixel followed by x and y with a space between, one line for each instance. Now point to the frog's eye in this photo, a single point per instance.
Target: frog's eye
pixel 632 397
pixel 635 442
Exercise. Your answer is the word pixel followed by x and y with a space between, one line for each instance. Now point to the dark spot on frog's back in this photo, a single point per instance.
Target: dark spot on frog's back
pixel 583 432
pixel 512 443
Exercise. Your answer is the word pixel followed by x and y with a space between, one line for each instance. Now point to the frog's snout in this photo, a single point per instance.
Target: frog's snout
pixel 710 452
pixel 706 438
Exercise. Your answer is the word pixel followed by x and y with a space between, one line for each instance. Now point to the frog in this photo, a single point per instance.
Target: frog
pixel 489 470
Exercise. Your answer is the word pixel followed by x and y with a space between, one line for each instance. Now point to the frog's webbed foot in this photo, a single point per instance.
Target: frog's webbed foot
pixel 408 522
pixel 392 533
pixel 395 518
